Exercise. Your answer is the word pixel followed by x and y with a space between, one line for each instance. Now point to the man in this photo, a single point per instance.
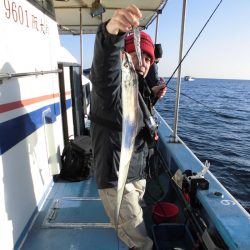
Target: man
pixel 155 83
pixel 106 117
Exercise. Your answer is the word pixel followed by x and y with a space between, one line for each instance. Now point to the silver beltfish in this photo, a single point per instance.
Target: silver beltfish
pixel 137 43
pixel 129 124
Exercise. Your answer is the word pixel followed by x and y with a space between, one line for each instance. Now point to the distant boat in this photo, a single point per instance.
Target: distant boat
pixel 188 78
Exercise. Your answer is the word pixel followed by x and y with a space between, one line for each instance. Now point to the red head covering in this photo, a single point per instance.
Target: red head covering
pixel 147 45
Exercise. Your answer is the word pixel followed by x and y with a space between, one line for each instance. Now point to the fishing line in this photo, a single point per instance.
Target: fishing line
pixel 194 42
pixel 208 20
pixel 210 109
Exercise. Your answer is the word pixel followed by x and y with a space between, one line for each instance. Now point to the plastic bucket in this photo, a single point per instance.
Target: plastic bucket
pixel 165 212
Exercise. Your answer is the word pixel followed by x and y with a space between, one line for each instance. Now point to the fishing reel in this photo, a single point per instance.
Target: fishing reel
pixel 193 181
pixel 151 124
pixel 152 127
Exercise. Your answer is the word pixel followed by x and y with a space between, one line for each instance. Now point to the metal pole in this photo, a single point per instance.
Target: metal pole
pixel 178 84
pixel 81 49
pixel 156 28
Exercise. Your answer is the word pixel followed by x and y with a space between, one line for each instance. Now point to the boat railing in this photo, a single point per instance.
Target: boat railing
pixel 6 76
pixel 178 84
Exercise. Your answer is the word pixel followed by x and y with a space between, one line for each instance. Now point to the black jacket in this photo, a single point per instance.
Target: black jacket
pixel 152 77
pixel 106 113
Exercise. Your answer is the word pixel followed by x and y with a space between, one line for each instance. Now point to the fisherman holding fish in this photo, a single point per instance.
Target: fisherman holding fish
pixel 109 72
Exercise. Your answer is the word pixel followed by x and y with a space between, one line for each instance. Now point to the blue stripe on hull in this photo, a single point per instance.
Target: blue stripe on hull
pixel 15 130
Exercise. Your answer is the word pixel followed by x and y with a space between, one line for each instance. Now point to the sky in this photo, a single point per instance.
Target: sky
pixel 222 50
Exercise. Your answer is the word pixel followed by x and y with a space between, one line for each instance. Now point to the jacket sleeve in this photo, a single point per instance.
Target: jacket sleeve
pixel 152 77
pixel 106 67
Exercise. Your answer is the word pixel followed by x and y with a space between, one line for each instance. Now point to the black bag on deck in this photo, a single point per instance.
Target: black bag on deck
pixel 77 159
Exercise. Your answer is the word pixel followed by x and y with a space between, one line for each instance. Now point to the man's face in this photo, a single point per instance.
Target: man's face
pixel 146 62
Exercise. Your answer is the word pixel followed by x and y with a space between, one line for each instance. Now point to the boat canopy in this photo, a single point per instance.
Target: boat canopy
pixel 84 16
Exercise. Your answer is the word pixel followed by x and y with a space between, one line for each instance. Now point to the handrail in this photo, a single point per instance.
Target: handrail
pixel 4 76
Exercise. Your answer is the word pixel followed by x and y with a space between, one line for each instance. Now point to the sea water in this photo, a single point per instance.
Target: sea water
pixel 214 122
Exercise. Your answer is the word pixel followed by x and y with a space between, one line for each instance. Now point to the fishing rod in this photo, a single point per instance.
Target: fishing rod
pixel 193 43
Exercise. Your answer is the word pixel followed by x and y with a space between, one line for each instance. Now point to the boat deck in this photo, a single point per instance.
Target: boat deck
pixel 72 217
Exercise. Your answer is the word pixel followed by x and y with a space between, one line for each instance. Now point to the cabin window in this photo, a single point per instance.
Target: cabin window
pixel 45 5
